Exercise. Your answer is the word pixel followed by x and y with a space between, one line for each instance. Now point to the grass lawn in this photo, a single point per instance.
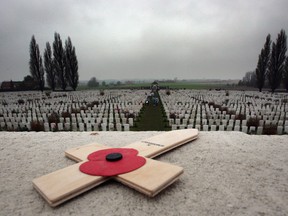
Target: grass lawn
pixel 198 85
pixel 173 85
pixel 151 119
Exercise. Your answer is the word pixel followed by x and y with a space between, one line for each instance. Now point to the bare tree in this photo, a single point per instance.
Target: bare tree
pixel 49 67
pixel 71 64
pixel 276 67
pixel 35 64
pixel 263 63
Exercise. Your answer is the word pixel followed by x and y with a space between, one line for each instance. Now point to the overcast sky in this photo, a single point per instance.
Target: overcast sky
pixel 143 39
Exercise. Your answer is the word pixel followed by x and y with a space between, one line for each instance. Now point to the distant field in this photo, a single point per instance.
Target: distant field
pixel 171 85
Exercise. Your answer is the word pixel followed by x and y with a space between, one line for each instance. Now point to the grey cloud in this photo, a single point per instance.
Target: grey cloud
pixel 143 39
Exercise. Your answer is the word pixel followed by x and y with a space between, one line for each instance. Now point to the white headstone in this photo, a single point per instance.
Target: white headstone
pixel 231 122
pixel 205 127
pixel 229 127
pixel 130 120
pixel 237 122
pixel 53 126
pixel 60 126
pixel 67 126
pixel 118 127
pixel 259 130
pixel 244 129
pixel 213 127
pixel 126 127
pixel 182 126
pixel 111 126
pixel 88 127
pixel 252 130
pixel 174 127
pixel 74 126
pixel 104 126
pixel 81 127
pixel 286 129
pixel 279 130
pixel 221 127
pixel 46 127
pixel 237 128
pixel 184 121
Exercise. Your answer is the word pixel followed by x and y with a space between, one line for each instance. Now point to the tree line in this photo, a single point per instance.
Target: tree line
pixel 272 66
pixel 61 65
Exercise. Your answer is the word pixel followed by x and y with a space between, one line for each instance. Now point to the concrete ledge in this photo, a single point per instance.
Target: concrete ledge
pixel 225 173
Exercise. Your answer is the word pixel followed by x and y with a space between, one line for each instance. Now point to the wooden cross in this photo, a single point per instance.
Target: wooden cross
pixel 62 185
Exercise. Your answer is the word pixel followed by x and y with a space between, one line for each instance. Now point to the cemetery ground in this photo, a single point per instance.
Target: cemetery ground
pixel 124 110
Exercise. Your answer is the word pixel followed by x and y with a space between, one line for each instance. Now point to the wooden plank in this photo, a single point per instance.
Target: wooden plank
pixel 62 185
pixel 150 147
pixel 159 144
pixel 80 153
pixel 151 178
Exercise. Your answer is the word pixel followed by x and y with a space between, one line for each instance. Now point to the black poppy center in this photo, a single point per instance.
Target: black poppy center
pixel 114 157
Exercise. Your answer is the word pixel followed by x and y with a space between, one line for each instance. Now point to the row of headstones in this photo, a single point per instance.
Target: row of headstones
pixel 67 126
pixel 189 118
pixel 6 122
pixel 225 122
pixel 245 129
pixel 198 114
pixel 12 110
pixel 14 121
pixel 114 96
pixel 71 97
pixel 242 109
pixel 224 118
pixel 79 116
pixel 86 127
pixel 234 98
pixel 273 116
pixel 34 100
pixel 120 110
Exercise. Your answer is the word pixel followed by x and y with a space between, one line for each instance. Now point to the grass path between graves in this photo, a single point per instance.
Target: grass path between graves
pixel 151 118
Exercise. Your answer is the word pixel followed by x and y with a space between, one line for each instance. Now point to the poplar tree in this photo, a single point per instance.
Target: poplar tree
pixel 285 74
pixel 71 64
pixel 278 56
pixel 36 65
pixel 263 63
pixel 59 61
pixel 49 67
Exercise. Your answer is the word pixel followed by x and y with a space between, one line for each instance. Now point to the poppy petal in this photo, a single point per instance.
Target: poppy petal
pixel 106 168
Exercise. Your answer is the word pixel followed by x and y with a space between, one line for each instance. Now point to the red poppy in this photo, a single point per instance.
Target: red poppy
pixel 111 162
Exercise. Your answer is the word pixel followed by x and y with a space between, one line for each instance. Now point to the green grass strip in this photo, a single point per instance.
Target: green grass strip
pixel 152 118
